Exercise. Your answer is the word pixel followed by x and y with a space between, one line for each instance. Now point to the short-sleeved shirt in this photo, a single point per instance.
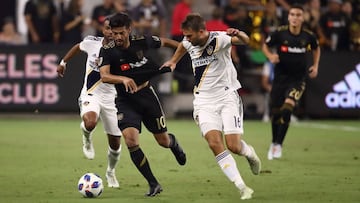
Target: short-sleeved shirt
pixel 293 52
pixel 41 16
pixel 215 74
pixel 92 80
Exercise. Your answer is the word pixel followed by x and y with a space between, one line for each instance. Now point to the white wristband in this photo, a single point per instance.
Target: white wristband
pixel 62 63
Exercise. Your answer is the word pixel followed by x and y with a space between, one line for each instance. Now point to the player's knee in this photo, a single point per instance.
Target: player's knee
pixel 90 124
pixel 114 142
pixel 286 111
pixel 275 115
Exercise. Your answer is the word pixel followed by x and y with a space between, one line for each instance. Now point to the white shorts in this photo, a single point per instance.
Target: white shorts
pixel 105 108
pixel 225 115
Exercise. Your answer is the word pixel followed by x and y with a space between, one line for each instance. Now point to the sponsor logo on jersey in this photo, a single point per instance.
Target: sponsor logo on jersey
pixel 288 49
pixel 125 67
pixel 346 93
pixel 201 61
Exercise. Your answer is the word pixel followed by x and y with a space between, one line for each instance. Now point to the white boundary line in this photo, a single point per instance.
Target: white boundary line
pixel 326 126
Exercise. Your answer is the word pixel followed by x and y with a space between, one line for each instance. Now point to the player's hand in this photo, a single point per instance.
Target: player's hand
pixel 313 72
pixel 169 64
pixel 130 85
pixel 232 32
pixel 274 58
pixel 61 70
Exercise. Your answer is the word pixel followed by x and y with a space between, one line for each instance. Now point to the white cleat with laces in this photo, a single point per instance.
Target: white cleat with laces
pixel 254 162
pixel 88 148
pixel 111 179
pixel 246 193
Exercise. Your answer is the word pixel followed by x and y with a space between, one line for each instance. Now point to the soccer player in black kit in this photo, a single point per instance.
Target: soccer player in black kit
pixel 123 63
pixel 292 44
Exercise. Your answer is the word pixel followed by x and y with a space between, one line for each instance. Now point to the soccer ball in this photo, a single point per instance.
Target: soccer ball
pixel 90 185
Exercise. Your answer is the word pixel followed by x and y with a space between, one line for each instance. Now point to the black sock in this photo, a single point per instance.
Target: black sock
pixel 282 133
pixel 285 111
pixel 141 163
pixel 173 142
pixel 275 131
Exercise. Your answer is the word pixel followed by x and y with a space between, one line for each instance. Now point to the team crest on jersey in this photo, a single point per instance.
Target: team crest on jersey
pixel 140 54
pixel 209 50
pixel 99 61
pixel 85 103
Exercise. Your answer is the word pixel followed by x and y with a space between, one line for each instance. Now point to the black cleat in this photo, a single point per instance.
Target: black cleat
pixel 154 190
pixel 178 151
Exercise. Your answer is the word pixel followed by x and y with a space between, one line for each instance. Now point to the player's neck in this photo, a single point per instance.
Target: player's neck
pixel 295 30
pixel 205 38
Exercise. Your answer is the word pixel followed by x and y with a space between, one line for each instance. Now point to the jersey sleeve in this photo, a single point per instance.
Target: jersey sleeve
pixel 153 42
pixel 314 43
pixel 87 42
pixel 271 39
pixel 104 57
pixel 223 40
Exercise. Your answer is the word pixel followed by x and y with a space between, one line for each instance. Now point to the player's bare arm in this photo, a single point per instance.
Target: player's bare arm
pixel 273 58
pixel 71 53
pixel 165 42
pixel 107 77
pixel 179 53
pixel 237 37
pixel 313 70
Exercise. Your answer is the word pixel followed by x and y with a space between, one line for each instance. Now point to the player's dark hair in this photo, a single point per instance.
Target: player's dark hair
pixel 120 20
pixel 297 6
pixel 194 22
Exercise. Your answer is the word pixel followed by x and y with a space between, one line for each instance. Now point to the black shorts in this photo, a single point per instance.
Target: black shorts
pixel 143 106
pixel 281 91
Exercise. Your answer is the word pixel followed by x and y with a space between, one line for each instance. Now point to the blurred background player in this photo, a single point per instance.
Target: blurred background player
pixel 218 107
pixel 97 99
pixel 292 43
pixel 125 64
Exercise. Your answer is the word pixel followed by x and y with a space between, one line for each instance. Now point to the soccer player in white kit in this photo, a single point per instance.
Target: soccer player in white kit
pixel 218 107
pixel 97 99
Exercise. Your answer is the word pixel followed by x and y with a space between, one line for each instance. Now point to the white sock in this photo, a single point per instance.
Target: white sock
pixel 228 165
pixel 86 133
pixel 113 158
pixel 245 149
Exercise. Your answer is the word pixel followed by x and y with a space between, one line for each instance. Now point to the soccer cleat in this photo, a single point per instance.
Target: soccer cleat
pixel 154 190
pixel 246 193
pixel 178 151
pixel 270 155
pixel 277 152
pixel 88 148
pixel 111 179
pixel 254 161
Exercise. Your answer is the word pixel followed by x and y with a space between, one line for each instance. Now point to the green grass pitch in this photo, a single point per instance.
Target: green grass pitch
pixel 41 161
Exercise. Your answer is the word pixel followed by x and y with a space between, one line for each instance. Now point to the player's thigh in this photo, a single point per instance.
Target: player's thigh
pixel 88 103
pixel 207 117
pixel 277 95
pixel 154 117
pixel 108 116
pixel 127 115
pixel 232 114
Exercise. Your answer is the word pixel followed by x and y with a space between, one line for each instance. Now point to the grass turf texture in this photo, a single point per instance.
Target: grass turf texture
pixel 42 160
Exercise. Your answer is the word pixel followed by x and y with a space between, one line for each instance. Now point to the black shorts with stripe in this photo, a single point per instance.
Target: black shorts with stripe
pixel 142 106
pixel 283 90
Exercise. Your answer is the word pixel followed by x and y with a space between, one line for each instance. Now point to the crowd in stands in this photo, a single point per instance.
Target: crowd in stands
pixel 335 22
